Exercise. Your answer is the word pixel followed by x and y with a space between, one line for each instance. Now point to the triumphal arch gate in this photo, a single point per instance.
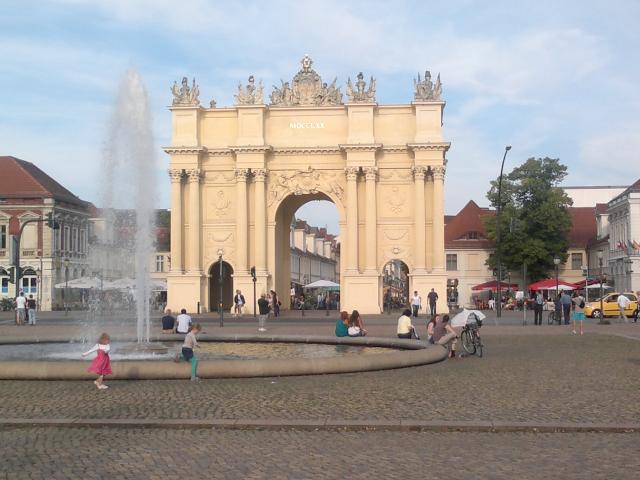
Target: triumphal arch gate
pixel 238 174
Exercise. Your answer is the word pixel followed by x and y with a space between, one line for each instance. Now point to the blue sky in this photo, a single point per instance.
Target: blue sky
pixel 550 78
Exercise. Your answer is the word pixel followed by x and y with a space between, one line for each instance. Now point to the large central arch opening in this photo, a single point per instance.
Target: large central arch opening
pixel 307 250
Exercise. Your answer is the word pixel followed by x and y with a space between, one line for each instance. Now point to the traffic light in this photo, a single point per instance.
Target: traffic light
pixel 52 222
pixel 15 274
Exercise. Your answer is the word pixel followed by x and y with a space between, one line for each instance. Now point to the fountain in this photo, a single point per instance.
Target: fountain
pixel 128 187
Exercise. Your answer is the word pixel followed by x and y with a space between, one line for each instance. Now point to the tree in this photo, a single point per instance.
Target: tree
pixel 535 220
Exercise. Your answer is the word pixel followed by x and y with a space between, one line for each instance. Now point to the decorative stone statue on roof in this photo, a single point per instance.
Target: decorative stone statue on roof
pixel 306 88
pixel 361 94
pixel 251 94
pixel 425 90
pixel 185 95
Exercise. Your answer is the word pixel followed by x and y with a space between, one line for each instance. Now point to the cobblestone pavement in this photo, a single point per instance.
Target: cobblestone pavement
pixel 60 453
pixel 589 379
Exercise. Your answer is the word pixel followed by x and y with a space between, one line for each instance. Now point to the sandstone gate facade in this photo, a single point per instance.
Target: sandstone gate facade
pixel 239 174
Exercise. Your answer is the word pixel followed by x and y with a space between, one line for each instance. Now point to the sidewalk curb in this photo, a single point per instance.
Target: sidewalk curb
pixel 326 424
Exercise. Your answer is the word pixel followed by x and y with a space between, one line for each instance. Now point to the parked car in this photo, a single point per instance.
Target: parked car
pixel 610 306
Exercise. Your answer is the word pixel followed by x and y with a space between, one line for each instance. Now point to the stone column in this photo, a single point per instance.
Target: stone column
pixel 438 218
pixel 194 176
pixel 260 206
pixel 242 225
pixel 420 248
pixel 352 219
pixel 176 220
pixel 371 174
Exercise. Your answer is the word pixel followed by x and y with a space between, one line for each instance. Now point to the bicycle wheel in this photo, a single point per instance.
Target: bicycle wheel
pixel 467 342
pixel 478 343
pixel 551 318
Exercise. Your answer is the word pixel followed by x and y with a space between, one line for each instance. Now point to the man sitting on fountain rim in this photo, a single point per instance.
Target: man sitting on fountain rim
pixel 184 322
pixel 168 322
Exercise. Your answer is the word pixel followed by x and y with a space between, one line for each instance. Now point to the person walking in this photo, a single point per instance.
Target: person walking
pixel 565 301
pixel 431 328
pixel 433 298
pixel 263 310
pixel 101 365
pixel 238 303
pixel 416 304
pixel 578 312
pixel 21 308
pixel 184 322
pixel 538 303
pixel 623 304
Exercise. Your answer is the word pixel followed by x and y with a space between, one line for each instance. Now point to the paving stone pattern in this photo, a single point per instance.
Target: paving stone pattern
pixel 96 453
pixel 528 378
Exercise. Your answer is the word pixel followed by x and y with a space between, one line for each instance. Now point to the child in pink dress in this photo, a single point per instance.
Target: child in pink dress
pixel 101 365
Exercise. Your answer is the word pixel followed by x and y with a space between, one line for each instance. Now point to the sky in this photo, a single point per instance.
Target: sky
pixel 550 78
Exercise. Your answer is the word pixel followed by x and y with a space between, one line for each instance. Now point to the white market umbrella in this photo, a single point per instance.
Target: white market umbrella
pixel 323 284
pixel 597 286
pixel 462 318
pixel 158 285
pixel 122 284
pixel 81 283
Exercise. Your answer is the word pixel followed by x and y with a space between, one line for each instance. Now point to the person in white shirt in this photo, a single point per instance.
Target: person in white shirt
pixel 416 304
pixel 623 304
pixel 184 322
pixel 21 308
pixel 405 328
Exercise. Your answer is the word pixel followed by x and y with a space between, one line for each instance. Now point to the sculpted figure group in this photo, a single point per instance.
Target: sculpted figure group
pixel 307 88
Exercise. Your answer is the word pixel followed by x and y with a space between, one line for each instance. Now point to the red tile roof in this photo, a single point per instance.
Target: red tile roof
pixel 469 219
pixel 22 179
pixel 583 227
pixel 601 208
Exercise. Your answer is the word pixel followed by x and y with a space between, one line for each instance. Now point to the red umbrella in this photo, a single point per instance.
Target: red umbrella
pixel 493 285
pixel 550 284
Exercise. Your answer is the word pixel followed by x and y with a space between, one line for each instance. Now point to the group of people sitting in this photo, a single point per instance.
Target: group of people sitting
pixel 350 325
pixel 439 329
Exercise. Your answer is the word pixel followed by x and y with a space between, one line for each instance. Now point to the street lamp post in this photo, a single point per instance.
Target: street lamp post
pixel 556 262
pixel 600 254
pixel 66 286
pixel 220 307
pixel 498 256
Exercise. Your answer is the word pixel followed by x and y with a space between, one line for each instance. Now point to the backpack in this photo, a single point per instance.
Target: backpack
pixel 581 304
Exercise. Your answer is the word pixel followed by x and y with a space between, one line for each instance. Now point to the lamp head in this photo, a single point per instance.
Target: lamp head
pixel 556 261
pixel 507 148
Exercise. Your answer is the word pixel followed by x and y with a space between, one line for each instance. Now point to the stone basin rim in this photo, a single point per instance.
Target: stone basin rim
pixel 410 353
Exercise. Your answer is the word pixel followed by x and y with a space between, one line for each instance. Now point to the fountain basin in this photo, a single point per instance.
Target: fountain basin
pixel 397 354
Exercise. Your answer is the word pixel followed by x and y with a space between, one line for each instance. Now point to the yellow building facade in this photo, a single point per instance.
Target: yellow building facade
pixel 239 174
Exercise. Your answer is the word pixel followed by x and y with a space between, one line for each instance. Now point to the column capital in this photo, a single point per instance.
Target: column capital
pixel 352 173
pixel 175 175
pixel 370 173
pixel 241 174
pixel 419 173
pixel 259 174
pixel 438 172
pixel 194 174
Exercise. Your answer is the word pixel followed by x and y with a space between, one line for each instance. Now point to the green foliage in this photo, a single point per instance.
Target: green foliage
pixel 534 222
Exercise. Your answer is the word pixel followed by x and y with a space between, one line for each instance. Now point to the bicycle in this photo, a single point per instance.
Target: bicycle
pixel 470 338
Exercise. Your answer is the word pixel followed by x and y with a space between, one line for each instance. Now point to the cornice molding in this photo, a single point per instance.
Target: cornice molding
pixel 219 152
pixel 250 148
pixel 361 147
pixel 185 150
pixel 307 150
pixel 430 146
pixel 395 148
